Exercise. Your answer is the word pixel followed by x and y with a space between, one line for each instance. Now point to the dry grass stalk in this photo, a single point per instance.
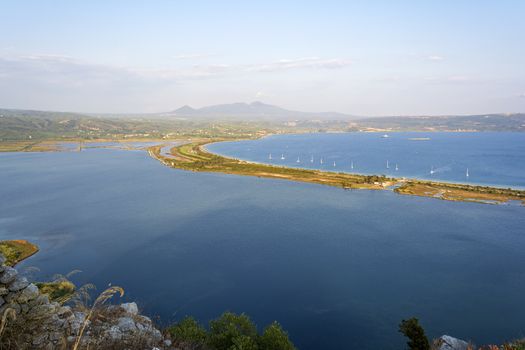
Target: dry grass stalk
pixel 102 298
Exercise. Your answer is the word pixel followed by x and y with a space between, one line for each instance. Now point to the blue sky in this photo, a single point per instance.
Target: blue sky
pixel 358 57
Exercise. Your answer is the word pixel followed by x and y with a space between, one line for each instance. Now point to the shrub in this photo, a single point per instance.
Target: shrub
pixel 188 331
pixel 228 327
pixel 275 338
pixel 417 340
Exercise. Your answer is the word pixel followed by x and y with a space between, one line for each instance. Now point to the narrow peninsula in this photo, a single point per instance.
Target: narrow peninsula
pixel 193 156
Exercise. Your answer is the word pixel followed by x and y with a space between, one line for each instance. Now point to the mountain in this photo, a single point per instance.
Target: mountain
pixel 249 111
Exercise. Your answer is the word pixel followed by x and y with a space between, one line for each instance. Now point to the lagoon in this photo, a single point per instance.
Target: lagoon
pixel 338 269
pixel 492 159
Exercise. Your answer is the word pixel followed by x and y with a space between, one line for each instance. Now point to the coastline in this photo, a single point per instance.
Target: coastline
pixel 196 157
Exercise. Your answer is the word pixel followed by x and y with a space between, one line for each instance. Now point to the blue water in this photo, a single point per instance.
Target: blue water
pixel 338 269
pixel 491 158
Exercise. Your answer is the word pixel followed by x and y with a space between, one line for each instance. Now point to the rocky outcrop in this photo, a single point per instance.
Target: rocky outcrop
pixel 446 342
pixel 34 322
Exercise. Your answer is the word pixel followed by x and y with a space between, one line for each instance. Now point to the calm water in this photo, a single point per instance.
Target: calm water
pixel 339 269
pixel 491 158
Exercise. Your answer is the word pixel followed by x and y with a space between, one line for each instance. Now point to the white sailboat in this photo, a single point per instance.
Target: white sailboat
pixel 397 168
pixel 298 160
pixel 467 173
pixel 351 164
pixel 270 156
pixel 321 161
pixel 334 163
pixel 387 165
pixel 312 159
pixel 282 157
pixel 431 170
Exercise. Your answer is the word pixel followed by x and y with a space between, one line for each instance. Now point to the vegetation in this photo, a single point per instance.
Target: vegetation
pixel 192 156
pixel 229 332
pixel 59 291
pixel 15 251
pixel 417 340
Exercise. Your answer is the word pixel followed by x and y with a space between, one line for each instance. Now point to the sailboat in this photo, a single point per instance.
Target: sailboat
pixel 351 164
pixel 431 170
pixel 467 173
pixel 270 156
pixel 282 156
pixel 397 168
pixel 334 164
pixel 387 165
pixel 312 159
pixel 321 161
pixel 298 160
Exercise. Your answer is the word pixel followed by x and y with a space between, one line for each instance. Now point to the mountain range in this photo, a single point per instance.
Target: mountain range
pixel 255 110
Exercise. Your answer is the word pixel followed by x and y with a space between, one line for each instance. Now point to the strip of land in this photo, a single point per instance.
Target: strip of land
pixel 16 250
pixel 193 156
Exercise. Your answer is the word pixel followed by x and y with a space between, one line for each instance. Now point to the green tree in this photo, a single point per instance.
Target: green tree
pixel 228 327
pixel 188 331
pixel 243 342
pixel 417 340
pixel 275 338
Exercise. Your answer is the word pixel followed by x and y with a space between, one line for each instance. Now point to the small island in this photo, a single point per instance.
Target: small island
pixel 193 156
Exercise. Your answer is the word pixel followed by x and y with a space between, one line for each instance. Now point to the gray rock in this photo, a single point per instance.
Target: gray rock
pixel 450 343
pixel 39 339
pixel 8 305
pixel 130 308
pixel 4 291
pixel 8 275
pixel 29 293
pixel 114 333
pixel 18 284
pixel 12 296
pixel 2 301
pixel 41 311
pixel 126 324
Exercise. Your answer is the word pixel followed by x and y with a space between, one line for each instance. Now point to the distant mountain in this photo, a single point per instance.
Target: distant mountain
pixel 249 111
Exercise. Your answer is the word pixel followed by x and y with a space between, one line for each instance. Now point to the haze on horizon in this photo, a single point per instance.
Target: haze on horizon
pixel 373 57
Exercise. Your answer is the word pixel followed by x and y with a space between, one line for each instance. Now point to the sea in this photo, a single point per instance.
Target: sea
pixel 338 269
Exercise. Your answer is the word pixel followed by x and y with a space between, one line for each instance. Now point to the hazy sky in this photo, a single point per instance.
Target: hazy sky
pixel 358 57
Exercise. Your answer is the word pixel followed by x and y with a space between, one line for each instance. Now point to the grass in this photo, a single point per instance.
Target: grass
pixel 15 251
pixel 194 157
pixel 59 291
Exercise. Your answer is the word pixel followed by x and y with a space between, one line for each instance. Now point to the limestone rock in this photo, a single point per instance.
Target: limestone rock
pixel 126 325
pixel 8 275
pixel 114 333
pixel 450 343
pixel 18 284
pixel 130 308
pixel 29 293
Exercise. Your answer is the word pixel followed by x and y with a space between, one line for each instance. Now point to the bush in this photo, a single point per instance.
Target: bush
pixel 228 327
pixel 417 340
pixel 188 331
pixel 275 338
pixel 229 332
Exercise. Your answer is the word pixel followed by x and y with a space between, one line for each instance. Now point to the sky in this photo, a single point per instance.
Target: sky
pixel 366 58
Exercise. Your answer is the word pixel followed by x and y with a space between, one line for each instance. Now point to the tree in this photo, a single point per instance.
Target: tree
pixel 275 338
pixel 188 331
pixel 230 327
pixel 417 340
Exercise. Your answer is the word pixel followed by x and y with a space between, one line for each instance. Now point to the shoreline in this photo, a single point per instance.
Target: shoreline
pixel 196 157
